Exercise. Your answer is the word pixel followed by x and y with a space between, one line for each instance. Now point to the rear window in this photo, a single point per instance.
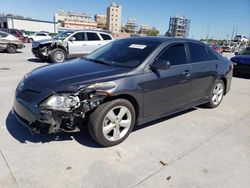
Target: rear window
pixel 2 35
pixel 200 52
pixel 92 36
pixel 13 32
pixel 106 37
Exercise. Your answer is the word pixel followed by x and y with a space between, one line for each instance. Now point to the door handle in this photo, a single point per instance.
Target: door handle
pixel 186 73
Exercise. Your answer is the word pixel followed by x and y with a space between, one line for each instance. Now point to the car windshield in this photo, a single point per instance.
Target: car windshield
pixel 63 35
pixel 128 52
pixel 246 51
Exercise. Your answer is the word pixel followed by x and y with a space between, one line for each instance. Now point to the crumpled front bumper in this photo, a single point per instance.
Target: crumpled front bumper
pixel 34 119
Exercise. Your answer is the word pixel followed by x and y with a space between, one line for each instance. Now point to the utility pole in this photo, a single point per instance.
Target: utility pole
pixel 236 32
pixel 208 31
pixel 233 33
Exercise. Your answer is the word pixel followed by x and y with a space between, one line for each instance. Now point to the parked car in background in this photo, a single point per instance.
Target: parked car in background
pixel 240 38
pixel 217 48
pixel 230 46
pixel 9 42
pixel 126 82
pixel 241 61
pixel 38 36
pixel 70 44
pixel 17 33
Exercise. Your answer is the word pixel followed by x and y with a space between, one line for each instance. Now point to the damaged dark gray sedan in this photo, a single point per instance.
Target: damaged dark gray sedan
pixel 127 82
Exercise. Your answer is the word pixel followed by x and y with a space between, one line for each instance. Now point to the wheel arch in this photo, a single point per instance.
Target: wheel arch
pixel 128 97
pixel 225 84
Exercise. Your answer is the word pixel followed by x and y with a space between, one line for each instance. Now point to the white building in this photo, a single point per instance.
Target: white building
pixel 114 14
pixel 27 24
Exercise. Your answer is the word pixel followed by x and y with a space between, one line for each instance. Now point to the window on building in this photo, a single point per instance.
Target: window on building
pixel 80 36
pixel 106 37
pixel 175 54
pixel 92 36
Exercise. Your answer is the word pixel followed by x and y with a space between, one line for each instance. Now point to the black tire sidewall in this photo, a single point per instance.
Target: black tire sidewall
pixel 11 48
pixel 97 117
pixel 52 56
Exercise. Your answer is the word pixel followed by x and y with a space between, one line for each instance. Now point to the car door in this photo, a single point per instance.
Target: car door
pixel 167 90
pixel 204 70
pixel 78 46
pixel 94 41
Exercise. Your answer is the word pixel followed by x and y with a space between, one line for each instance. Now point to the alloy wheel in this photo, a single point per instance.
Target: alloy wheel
pixel 218 92
pixel 117 123
pixel 59 56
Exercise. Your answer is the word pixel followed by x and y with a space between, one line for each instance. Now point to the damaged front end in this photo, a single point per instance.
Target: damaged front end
pixel 67 111
pixel 43 51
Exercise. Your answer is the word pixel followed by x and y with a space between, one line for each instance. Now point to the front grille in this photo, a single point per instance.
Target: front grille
pixel 28 95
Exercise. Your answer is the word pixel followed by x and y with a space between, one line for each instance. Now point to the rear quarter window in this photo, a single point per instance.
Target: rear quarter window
pixel 105 37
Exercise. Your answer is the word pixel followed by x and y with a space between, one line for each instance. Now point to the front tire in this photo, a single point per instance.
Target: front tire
pixel 112 122
pixel 58 56
pixel 11 48
pixel 216 94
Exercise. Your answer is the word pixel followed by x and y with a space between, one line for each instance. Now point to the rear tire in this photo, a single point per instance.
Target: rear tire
pixel 112 122
pixel 216 94
pixel 11 48
pixel 57 55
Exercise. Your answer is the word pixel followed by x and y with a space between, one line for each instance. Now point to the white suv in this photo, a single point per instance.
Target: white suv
pixel 70 44
pixel 38 36
pixel 240 38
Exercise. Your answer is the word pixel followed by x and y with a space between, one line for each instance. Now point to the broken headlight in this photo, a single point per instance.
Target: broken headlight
pixel 61 102
pixel 104 86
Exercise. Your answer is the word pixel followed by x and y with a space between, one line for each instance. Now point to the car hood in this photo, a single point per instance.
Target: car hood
pixel 243 59
pixel 46 41
pixel 72 75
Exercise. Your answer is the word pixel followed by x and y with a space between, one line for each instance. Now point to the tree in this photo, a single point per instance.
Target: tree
pixel 153 32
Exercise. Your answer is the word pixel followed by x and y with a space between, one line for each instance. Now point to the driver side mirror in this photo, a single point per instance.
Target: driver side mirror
pixel 160 64
pixel 72 39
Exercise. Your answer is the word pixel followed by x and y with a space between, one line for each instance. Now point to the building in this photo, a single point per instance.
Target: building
pixel 131 26
pixel 69 20
pixel 101 21
pixel 144 29
pixel 178 27
pixel 114 13
pixel 27 24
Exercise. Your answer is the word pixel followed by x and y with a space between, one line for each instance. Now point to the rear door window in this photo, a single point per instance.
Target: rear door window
pixel 200 52
pixel 175 54
pixel 92 36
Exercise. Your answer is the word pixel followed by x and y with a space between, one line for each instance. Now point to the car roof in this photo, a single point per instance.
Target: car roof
pixel 90 30
pixel 162 39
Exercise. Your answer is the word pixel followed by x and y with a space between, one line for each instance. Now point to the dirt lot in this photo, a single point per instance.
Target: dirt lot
pixel 197 148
